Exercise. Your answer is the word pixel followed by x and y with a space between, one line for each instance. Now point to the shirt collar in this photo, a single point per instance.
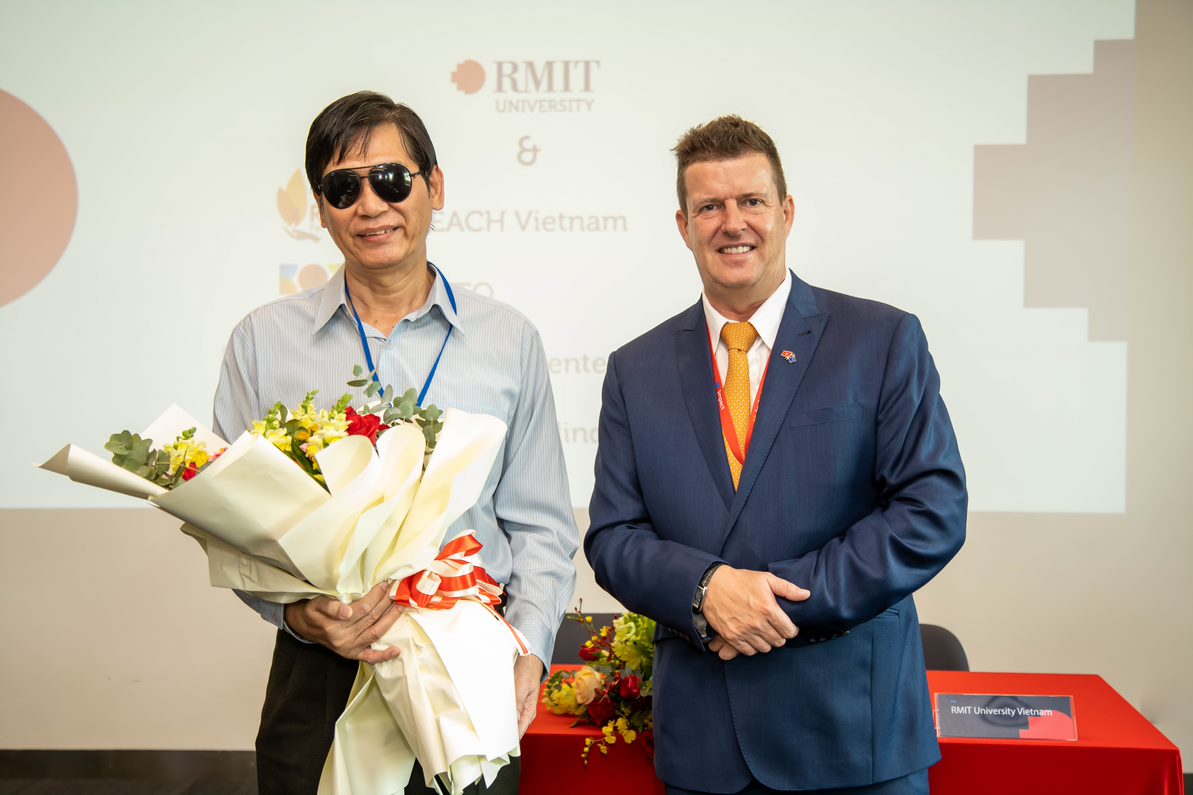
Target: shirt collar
pixel 332 297
pixel 766 318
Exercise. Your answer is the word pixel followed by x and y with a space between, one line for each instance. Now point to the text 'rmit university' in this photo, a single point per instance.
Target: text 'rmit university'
pixel 548 77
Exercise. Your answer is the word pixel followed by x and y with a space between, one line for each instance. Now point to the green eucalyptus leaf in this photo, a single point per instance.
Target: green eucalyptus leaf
pixel 119 443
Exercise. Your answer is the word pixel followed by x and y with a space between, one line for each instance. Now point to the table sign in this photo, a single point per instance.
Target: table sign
pixel 1005 717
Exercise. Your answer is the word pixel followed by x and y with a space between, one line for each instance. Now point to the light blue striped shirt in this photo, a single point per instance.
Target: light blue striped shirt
pixel 492 364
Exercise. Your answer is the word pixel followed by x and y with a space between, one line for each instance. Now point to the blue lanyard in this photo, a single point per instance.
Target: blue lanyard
pixel 364 342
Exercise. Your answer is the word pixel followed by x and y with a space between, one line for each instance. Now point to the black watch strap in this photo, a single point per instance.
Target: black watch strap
pixel 698 602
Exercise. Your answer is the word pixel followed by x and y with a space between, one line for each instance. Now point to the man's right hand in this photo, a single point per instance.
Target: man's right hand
pixel 347 629
pixel 742 608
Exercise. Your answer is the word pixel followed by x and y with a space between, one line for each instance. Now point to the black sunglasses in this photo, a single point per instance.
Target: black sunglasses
pixel 391 182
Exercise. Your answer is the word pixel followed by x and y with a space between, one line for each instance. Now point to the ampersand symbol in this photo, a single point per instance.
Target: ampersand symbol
pixel 527 153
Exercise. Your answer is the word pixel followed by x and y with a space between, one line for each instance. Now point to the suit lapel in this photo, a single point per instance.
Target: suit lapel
pixel 799 334
pixel 696 380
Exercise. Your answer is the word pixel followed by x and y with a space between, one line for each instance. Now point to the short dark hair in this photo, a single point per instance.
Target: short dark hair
pixel 724 138
pixel 348 123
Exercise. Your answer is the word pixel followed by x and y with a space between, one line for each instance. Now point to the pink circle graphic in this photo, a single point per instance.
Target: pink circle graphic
pixel 469 76
pixel 40 200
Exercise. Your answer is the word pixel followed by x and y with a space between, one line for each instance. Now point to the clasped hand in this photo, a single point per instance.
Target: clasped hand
pixel 350 629
pixel 742 608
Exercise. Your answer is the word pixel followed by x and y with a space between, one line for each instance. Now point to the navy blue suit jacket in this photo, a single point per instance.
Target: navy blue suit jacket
pixel 852 488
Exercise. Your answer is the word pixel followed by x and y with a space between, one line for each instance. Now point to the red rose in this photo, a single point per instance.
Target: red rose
pixel 631 687
pixel 601 710
pixel 367 426
pixel 589 653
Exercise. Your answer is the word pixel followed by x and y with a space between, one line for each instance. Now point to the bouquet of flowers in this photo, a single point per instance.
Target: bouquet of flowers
pixel 331 502
pixel 613 690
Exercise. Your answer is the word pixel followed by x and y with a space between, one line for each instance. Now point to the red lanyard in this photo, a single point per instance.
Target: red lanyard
pixel 739 451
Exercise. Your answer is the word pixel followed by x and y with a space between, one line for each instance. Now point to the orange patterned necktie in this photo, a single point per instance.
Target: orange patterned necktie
pixel 738 337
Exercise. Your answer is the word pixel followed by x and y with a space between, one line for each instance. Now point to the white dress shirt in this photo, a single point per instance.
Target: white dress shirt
pixel 493 364
pixel 766 320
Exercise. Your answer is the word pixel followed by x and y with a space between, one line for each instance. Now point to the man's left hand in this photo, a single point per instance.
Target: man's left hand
pixel 722 649
pixel 528 681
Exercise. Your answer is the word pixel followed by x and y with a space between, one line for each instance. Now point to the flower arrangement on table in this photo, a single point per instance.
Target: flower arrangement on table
pixel 612 691
pixel 332 502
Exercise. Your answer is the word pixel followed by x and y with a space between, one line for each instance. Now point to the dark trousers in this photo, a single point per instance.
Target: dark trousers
pixel 308 689
pixel 914 784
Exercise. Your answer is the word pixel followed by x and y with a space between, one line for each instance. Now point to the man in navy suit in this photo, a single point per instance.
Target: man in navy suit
pixel 777 474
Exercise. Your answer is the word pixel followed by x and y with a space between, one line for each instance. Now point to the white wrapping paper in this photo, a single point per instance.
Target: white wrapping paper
pixel 270 530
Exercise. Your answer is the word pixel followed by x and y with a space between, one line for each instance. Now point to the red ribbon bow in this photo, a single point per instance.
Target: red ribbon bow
pixel 455 575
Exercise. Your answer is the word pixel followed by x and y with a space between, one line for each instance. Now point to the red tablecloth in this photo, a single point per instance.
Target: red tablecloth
pixel 1117 751
pixel 551 763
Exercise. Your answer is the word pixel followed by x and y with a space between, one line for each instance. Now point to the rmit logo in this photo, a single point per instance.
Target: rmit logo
pixel 528 77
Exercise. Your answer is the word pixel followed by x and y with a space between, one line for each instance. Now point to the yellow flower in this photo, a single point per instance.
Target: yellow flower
pixel 629 735
pixel 633 641
pixel 563 701
pixel 326 434
pixel 631 654
pixel 272 434
pixel 586 683
pixel 185 452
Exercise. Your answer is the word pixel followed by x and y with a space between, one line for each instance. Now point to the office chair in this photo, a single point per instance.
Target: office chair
pixel 942 650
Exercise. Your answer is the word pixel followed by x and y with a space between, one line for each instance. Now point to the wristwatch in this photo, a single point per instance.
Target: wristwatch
pixel 698 618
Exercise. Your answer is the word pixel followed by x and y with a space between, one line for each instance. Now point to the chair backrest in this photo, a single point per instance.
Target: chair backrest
pixel 571 637
pixel 942 650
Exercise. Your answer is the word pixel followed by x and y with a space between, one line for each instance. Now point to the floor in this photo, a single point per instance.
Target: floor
pixel 127 773
pixel 142 773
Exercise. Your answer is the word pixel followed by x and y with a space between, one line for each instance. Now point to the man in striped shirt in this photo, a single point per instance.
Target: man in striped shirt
pixel 372 168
